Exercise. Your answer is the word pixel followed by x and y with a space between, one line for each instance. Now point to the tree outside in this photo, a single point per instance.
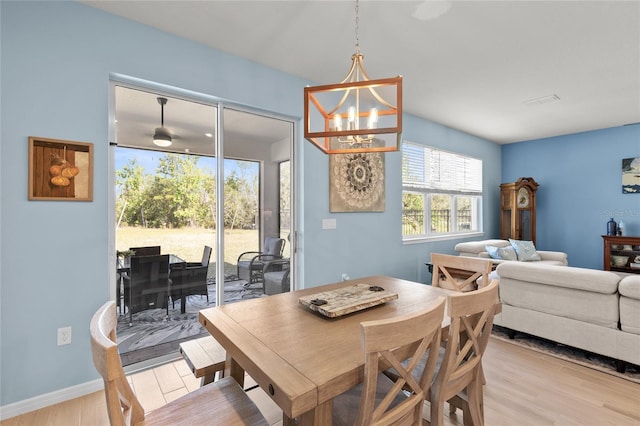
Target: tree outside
pixel 174 205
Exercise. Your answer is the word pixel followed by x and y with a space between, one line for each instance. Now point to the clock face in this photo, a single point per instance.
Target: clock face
pixel 523 198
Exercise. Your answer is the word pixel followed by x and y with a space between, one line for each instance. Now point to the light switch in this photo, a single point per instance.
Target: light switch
pixel 328 224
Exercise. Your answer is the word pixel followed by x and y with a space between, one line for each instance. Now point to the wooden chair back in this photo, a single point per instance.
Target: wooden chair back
pixel 467 338
pixel 123 406
pixel 417 334
pixel 459 273
pixel 222 402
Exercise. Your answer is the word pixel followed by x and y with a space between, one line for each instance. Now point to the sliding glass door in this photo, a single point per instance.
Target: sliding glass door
pixel 172 191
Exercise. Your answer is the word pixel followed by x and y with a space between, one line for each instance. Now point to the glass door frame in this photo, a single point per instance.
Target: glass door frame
pixel 221 105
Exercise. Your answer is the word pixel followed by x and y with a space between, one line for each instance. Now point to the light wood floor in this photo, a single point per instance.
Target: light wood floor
pixel 523 388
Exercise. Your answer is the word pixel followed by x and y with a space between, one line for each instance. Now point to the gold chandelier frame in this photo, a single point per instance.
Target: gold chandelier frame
pixel 378 129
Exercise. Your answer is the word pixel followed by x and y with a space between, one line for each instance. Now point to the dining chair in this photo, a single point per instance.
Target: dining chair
pixel 190 278
pixel 459 377
pixel 397 344
pixel 251 263
pixel 222 402
pixel 459 273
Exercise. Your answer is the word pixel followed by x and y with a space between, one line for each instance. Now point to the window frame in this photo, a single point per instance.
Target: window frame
pixel 424 190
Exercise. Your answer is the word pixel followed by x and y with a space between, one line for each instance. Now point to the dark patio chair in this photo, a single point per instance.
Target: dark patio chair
pixel 276 277
pixel 251 263
pixel 145 251
pixel 190 278
pixel 148 284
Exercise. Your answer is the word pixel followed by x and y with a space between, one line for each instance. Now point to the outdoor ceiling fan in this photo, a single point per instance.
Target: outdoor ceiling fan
pixel 162 136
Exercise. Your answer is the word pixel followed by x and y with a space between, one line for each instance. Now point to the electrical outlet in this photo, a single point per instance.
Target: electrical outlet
pixel 64 336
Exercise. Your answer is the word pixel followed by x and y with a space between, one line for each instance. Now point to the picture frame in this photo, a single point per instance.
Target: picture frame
pixel 357 182
pixel 60 170
pixel 631 175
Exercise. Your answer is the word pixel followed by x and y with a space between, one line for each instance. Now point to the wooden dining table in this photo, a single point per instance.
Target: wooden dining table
pixel 299 357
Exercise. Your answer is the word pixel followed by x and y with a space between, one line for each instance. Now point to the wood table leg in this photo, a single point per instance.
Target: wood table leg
pixel 321 415
pixel 234 370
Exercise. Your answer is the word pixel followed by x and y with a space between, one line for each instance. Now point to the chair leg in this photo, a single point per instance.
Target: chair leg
pixel 437 416
pixel 475 415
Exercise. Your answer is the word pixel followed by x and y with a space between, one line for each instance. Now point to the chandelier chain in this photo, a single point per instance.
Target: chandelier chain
pixel 357 27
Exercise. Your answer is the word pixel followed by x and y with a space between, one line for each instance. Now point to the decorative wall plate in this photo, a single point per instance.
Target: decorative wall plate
pixel 356 182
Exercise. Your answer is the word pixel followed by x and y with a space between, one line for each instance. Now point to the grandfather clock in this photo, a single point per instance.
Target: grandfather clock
pixel 518 209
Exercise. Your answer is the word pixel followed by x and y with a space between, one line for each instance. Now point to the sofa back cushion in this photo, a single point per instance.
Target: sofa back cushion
pixel 629 289
pixel 477 247
pixel 570 277
pixel 581 294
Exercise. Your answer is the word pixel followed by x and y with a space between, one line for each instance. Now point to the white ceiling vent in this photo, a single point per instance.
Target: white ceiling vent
pixel 542 100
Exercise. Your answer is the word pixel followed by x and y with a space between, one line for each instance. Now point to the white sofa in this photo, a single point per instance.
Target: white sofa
pixel 597 311
pixel 478 249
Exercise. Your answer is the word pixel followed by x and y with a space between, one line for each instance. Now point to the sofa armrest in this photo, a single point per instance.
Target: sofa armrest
pixel 554 255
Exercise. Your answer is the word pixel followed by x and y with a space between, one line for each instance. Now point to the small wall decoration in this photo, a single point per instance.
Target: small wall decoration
pixel 631 175
pixel 356 182
pixel 60 170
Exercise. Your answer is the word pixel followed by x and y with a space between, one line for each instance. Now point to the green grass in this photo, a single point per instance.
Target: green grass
pixel 187 243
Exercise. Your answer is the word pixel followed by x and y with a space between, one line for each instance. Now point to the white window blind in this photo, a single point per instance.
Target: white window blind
pixel 426 168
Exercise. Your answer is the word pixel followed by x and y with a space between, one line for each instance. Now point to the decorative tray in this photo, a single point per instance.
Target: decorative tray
pixel 345 300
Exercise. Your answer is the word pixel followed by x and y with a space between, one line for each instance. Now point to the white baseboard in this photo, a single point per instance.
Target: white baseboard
pixel 61 395
pixel 56 397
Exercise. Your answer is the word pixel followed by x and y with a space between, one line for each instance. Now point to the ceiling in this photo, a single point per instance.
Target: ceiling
pixel 506 71
pixel 191 124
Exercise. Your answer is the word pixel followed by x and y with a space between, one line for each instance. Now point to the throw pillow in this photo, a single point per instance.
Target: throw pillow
pixel 503 253
pixel 525 250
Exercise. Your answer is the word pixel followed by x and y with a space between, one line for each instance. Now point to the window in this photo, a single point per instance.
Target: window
pixel 441 193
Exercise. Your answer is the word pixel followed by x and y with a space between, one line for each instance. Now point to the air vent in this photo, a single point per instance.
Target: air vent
pixel 542 100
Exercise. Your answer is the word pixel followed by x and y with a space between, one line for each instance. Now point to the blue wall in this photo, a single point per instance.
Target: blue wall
pixel 580 188
pixel 54 256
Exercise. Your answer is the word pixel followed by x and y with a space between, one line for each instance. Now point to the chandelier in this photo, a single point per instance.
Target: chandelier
pixel 356 115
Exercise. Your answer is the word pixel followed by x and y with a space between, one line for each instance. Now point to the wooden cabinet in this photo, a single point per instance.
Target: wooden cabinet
pixel 518 209
pixel 621 254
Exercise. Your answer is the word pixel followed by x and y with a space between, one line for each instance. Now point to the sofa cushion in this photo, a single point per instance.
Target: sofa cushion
pixel 630 287
pixel 502 253
pixel 582 294
pixel 525 250
pixel 630 315
pixel 477 247
pixel 570 277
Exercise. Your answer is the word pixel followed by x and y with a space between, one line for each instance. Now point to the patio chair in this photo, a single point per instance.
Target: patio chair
pixel 276 276
pixel 251 263
pixel 145 251
pixel 222 402
pixel 148 284
pixel 190 278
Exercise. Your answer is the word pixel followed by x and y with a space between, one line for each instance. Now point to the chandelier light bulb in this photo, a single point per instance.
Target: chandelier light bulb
pixel 352 118
pixel 337 122
pixel 373 119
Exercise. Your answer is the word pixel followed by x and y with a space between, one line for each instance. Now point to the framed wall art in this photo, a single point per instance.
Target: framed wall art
pixel 631 175
pixel 356 182
pixel 60 170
